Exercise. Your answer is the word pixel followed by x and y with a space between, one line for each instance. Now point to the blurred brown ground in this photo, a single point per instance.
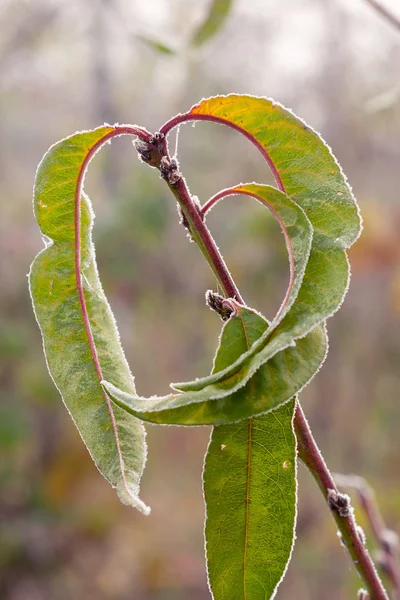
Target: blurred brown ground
pixel 69 66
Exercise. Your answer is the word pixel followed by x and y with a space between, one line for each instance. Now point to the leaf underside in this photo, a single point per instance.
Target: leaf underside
pixel 274 383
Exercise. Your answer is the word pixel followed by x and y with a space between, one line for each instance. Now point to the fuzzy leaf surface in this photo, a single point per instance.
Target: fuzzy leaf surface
pixel 274 383
pixel 250 492
pixel 114 438
pixel 306 170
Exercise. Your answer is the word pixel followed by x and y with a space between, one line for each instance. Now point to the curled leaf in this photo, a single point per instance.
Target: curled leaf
pixel 80 336
pixel 306 170
pixel 274 383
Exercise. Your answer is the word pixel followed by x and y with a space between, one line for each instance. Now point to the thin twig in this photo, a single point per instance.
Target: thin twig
pixel 351 535
pixel 309 453
pixel 385 13
pixel 386 538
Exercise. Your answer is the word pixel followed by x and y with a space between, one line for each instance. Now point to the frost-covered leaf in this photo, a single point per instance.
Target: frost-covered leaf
pixel 250 494
pixel 303 164
pixel 250 488
pixel 216 17
pixel 80 336
pixel 306 170
pixel 250 468
pixel 275 382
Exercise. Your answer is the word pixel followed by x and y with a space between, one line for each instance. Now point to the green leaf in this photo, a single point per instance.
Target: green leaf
pixel 216 17
pixel 80 336
pixel 250 468
pixel 303 164
pixel 306 170
pixel 250 492
pixel 274 382
pixel 156 45
pixel 250 486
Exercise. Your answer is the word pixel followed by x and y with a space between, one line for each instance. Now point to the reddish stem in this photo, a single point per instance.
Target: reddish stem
pixel 166 128
pixel 382 534
pixel 201 234
pixel 312 458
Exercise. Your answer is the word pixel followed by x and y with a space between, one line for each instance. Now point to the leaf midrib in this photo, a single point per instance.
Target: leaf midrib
pixel 247 499
pixel 81 294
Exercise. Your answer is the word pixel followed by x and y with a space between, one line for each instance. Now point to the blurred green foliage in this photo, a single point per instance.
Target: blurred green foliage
pixel 69 66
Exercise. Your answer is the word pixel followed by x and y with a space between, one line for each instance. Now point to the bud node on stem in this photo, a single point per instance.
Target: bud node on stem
pixel 169 170
pixel 151 152
pixel 223 306
pixel 339 502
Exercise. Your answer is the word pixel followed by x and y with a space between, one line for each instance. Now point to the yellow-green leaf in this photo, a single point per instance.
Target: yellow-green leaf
pixel 80 336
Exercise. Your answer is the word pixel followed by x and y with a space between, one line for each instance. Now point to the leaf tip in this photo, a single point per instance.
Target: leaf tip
pixel 130 498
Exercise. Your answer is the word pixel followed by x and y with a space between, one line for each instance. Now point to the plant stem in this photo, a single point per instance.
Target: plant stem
pixel 307 447
pixel 386 538
pixel 202 236
pixel 351 536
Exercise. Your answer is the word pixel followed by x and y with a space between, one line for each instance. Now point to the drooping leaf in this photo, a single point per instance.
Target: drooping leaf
pixel 198 405
pixel 80 336
pixel 274 383
pixel 250 494
pixel 216 17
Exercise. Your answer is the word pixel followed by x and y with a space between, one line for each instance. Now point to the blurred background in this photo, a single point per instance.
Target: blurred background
pixel 66 66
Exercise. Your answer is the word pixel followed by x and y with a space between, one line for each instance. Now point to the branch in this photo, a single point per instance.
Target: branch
pixel 386 538
pixel 385 13
pixel 351 534
pixel 193 220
